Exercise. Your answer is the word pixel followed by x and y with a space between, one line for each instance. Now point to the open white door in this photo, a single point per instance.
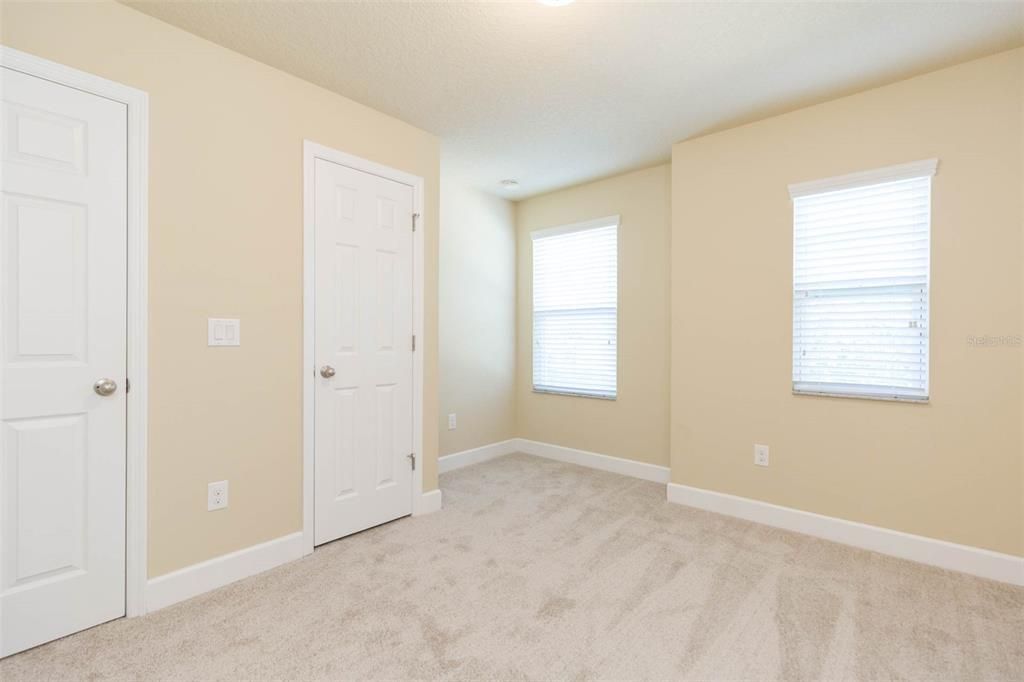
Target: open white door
pixel 363 418
pixel 63 341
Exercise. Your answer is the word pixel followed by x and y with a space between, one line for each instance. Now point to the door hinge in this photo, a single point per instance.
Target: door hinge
pixel 413 343
pixel 415 217
pixel 127 384
pixel 412 460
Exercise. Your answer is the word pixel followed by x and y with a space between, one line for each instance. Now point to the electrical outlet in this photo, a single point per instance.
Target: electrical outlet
pixel 451 421
pixel 760 455
pixel 217 496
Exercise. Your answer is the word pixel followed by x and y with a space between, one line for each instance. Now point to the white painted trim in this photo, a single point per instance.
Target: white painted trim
pixel 560 453
pixel 308 343
pixel 138 351
pixel 137 103
pixel 973 560
pixel 616 465
pixel 421 503
pixel 429 502
pixel 484 453
pixel 607 221
pixel 903 171
pixel 208 575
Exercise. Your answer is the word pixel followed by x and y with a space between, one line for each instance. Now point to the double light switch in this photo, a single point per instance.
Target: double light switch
pixel 224 332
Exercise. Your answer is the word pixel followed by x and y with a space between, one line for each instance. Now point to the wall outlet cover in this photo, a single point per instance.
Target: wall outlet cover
pixel 217 496
pixel 451 422
pixel 760 455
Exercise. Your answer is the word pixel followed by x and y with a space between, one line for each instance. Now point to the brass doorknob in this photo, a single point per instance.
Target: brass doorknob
pixel 327 371
pixel 105 387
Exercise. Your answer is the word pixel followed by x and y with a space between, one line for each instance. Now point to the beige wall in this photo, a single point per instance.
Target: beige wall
pixel 951 469
pixel 226 240
pixel 476 317
pixel 634 426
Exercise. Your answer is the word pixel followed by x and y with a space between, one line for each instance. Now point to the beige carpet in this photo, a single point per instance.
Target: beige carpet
pixel 540 570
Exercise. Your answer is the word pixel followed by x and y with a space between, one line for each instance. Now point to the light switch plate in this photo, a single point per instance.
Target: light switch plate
pixel 451 422
pixel 224 331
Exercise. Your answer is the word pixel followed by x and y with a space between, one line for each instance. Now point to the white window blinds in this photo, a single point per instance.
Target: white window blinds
pixel 575 308
pixel 861 247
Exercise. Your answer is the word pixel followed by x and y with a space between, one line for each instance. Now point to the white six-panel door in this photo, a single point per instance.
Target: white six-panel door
pixel 363 347
pixel 63 232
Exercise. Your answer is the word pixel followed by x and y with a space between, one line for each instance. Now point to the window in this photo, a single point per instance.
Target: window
pixel 860 283
pixel 575 308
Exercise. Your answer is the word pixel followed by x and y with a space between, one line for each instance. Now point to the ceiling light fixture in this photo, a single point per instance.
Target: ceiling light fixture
pixel 510 183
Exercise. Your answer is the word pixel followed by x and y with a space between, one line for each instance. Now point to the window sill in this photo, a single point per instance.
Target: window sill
pixel 865 396
pixel 575 395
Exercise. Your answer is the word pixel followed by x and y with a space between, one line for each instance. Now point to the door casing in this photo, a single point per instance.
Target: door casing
pixel 310 152
pixel 137 103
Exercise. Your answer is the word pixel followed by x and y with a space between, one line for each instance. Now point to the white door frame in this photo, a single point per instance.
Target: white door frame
pixel 137 103
pixel 311 151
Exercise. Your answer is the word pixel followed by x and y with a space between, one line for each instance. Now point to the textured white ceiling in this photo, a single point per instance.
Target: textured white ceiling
pixel 553 96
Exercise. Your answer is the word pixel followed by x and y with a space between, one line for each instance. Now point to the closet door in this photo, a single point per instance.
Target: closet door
pixel 63 272
pixel 363 414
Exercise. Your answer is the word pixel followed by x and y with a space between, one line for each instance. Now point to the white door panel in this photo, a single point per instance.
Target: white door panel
pixel 63 232
pixel 363 413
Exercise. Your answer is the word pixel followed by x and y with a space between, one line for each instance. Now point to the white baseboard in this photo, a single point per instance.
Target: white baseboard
pixel 209 575
pixel 593 460
pixel 205 576
pixel 616 465
pixel 428 503
pixel 457 460
pixel 965 559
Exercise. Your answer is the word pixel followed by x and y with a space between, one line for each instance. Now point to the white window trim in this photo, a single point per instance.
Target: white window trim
pixel 848 393
pixel 574 394
pixel 607 221
pixel 903 171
